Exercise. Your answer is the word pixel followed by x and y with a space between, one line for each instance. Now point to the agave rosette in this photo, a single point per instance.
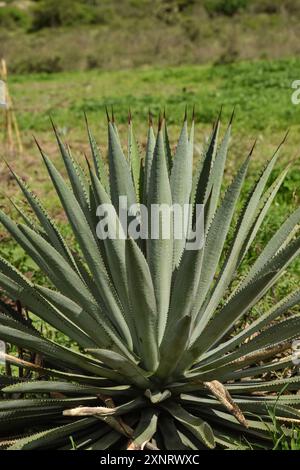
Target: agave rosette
pixel 160 361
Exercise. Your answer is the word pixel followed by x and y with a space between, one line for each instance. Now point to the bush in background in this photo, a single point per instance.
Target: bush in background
pixel 12 17
pixel 54 13
pixel 52 64
pixel 225 7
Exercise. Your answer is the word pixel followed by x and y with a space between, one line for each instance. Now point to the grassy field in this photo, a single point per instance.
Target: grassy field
pixel 259 91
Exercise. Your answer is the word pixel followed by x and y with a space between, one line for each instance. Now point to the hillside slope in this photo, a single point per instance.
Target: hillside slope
pixel 112 34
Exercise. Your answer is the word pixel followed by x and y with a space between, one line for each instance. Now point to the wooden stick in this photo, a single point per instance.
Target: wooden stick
pixel 11 123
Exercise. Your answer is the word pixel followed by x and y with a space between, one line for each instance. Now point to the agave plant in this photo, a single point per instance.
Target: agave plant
pixel 161 357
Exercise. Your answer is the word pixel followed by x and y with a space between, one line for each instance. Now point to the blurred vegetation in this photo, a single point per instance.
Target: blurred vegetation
pixel 14 18
pixel 114 34
pixel 225 7
pixel 55 13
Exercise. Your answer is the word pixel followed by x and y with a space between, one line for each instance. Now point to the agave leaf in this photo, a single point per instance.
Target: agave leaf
pixel 199 428
pixel 168 152
pixel 121 183
pixel 106 441
pixel 204 183
pixel 46 386
pixel 180 182
pixel 277 241
pixel 19 288
pixel 15 231
pixel 49 314
pixel 99 165
pixel 171 436
pixel 248 296
pixel 134 158
pixel 14 420
pixel 142 298
pixel 115 251
pixel 217 357
pixel 86 239
pixel 283 331
pixel 160 249
pixel 173 346
pixel 148 161
pixel 68 376
pixel 265 204
pixel 11 312
pixel 82 440
pixel 255 371
pixel 146 428
pixel 27 218
pixel 131 371
pixel 233 257
pixel 186 280
pixel 248 387
pixel 74 178
pixel 218 172
pixel 46 438
pixel 52 351
pixel 64 277
pixel 47 224
pixel 7 320
pixel 216 237
pixel 40 404
pixel 238 306
pixel 73 312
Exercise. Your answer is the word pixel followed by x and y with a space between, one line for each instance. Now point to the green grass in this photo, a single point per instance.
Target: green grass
pixel 260 91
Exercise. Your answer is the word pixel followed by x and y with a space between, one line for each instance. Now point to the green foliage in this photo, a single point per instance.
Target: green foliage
pixel 225 7
pixel 185 33
pixel 55 13
pixel 12 18
pixel 157 326
pixel 284 437
pixel 49 65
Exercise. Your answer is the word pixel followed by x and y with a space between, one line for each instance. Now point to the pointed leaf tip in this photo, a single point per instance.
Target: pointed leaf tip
pixel 232 116
pixel 150 118
pixel 285 137
pixel 53 125
pixel 107 114
pixel 160 121
pixel 129 116
pixel 38 145
pixel 253 147
pixel 87 162
pixel 185 114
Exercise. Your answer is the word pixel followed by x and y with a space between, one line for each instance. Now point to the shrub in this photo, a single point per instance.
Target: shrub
pixel 37 64
pixel 11 17
pixel 54 13
pixel 225 7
